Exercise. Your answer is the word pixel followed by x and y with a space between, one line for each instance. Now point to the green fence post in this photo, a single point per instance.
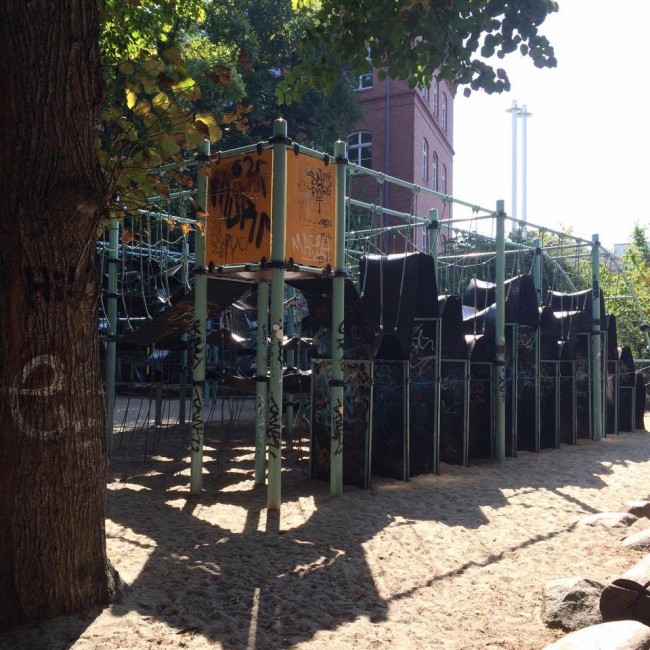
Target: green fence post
pixel 200 319
pixel 183 357
pixel 261 385
pixel 500 338
pixel 338 334
pixel 596 374
pixel 278 231
pixel 290 358
pixel 433 228
pixel 111 331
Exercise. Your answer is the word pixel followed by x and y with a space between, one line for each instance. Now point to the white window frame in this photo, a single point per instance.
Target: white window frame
pixel 443 115
pixel 434 96
pixel 425 160
pixel 443 180
pixel 365 81
pixel 434 171
pixel 356 145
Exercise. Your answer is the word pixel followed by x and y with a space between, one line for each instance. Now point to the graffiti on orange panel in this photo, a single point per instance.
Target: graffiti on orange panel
pixel 239 209
pixel 311 196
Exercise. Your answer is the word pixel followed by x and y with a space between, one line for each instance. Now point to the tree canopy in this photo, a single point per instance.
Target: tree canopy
pixel 417 39
pixel 633 268
pixel 209 70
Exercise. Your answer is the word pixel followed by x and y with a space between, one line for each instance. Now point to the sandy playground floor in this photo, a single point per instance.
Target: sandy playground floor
pixel 452 561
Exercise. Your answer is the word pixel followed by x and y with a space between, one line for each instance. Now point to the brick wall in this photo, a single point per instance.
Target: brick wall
pixel 397 150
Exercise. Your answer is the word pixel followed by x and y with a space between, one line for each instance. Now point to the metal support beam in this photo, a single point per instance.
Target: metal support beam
pixel 500 339
pixel 261 386
pixel 200 320
pixel 338 333
pixel 434 232
pixel 278 231
pixel 596 345
pixel 111 346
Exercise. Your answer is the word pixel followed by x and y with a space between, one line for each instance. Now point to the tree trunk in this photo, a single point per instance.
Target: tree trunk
pixel 52 446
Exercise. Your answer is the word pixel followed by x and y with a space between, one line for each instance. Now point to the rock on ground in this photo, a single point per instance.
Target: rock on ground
pixel 638 508
pixel 639 541
pixel 617 635
pixel 571 603
pixel 609 519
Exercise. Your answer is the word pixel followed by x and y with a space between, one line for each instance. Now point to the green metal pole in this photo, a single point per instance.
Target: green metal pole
pixel 596 378
pixel 434 233
pixel 261 386
pixel 290 359
pixel 158 395
pixel 433 227
pixel 537 281
pixel 200 319
pixel 500 338
pixel 537 272
pixel 278 231
pixel 338 333
pixel 111 331
pixel 183 376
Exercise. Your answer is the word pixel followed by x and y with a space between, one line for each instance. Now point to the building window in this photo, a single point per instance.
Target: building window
pixel 443 180
pixel 434 171
pixel 364 81
pixel 360 149
pixel 443 116
pixel 425 161
pixel 434 96
pixel 425 94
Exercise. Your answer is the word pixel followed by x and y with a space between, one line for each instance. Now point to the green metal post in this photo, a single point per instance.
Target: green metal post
pixel 261 386
pixel 183 376
pixel 596 378
pixel 290 358
pixel 338 333
pixel 537 281
pixel 537 272
pixel 278 231
pixel 434 231
pixel 200 319
pixel 111 331
pixel 500 338
pixel 158 395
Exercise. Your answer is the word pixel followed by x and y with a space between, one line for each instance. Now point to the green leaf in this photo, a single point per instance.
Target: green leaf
pixel 161 102
pixel 212 129
pixel 135 199
pixel 150 86
pixel 111 114
pixel 167 144
pixel 194 137
pixel 126 68
pixel 153 66
pixel 173 55
pixel 187 88
pixel 142 107
pixel 131 98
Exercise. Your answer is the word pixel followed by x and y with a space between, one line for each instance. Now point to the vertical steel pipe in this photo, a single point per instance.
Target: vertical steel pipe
pixel 278 232
pixel 200 320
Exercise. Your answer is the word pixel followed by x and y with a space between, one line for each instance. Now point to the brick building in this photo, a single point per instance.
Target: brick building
pixel 408 134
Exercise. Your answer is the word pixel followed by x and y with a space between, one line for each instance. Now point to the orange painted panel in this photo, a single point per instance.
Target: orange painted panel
pixel 238 229
pixel 311 200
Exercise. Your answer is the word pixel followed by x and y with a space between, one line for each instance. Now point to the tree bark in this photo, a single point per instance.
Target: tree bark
pixel 52 445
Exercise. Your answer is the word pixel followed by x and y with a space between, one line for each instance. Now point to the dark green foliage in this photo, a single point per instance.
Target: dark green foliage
pixel 416 39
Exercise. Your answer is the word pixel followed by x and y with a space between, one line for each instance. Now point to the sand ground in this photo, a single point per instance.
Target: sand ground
pixel 452 561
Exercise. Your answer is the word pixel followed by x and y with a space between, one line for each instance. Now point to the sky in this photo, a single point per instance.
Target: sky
pixel 588 138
